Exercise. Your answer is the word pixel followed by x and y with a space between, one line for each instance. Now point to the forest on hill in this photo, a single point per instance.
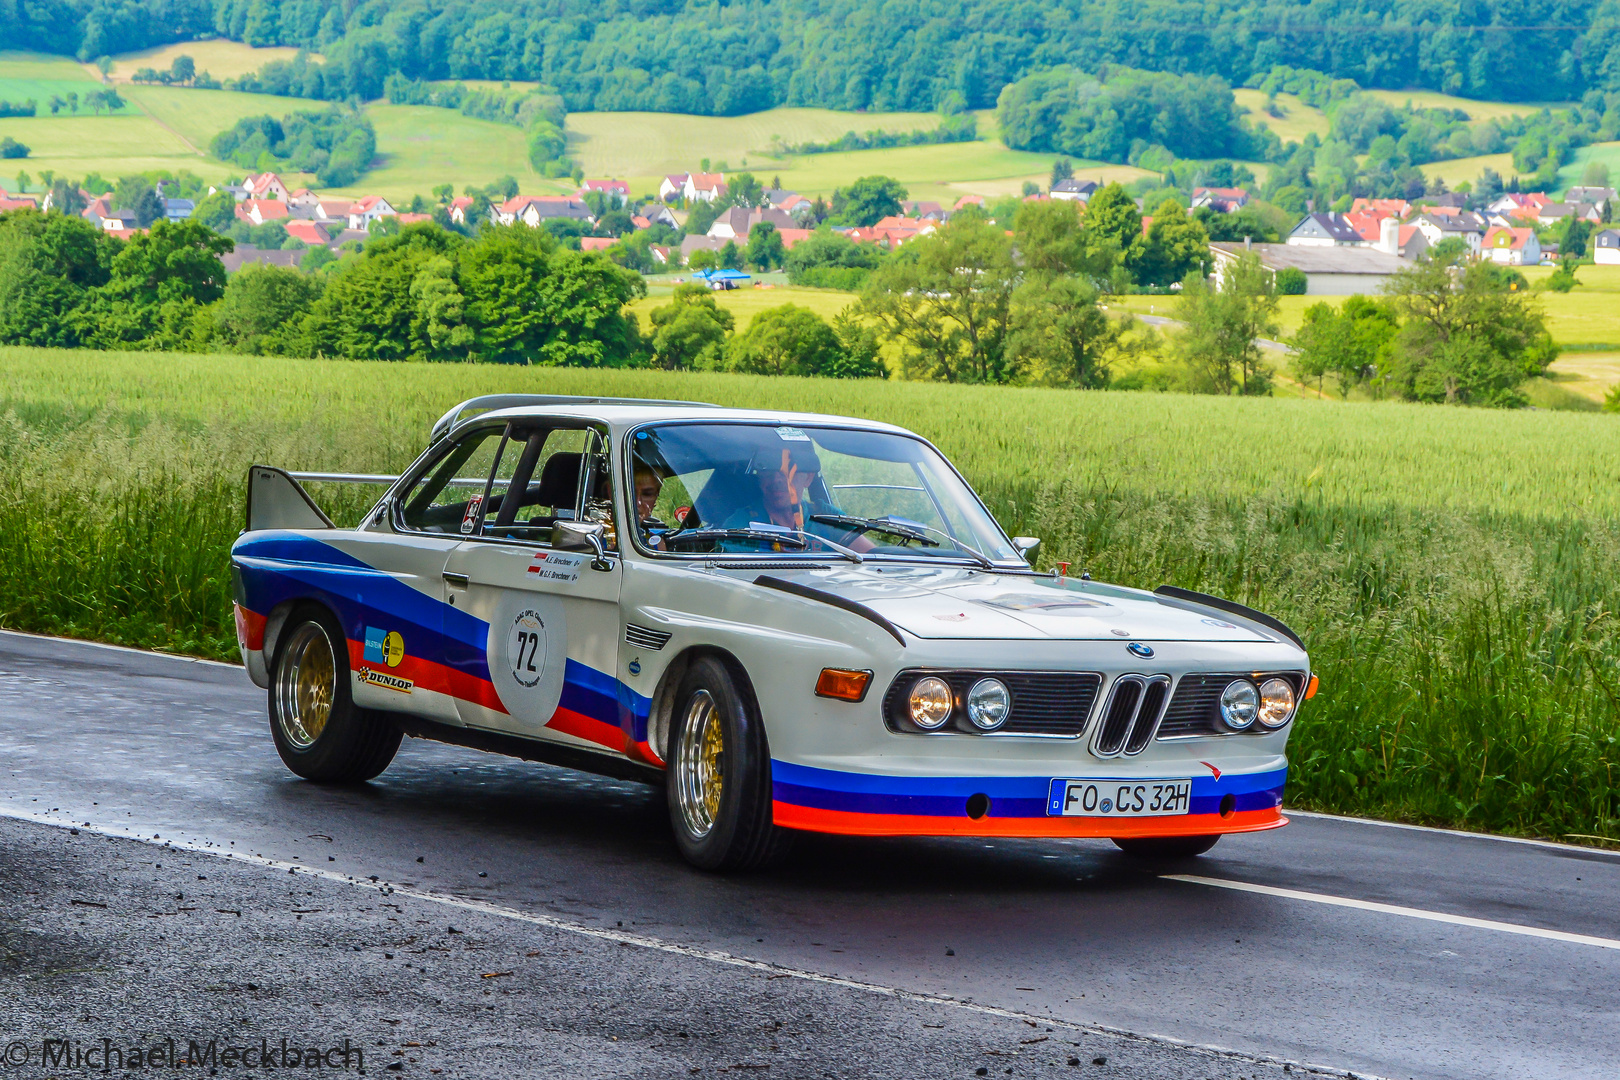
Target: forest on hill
pixel 947 55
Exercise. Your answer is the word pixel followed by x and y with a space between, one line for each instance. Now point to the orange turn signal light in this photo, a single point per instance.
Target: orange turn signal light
pixel 843 684
pixel 1310 688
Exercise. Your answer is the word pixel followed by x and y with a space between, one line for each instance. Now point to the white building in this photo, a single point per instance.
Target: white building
pixel 1329 270
pixel 1606 247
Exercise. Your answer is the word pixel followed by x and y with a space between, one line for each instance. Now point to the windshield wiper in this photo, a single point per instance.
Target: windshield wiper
pixel 769 536
pixel 796 538
pixel 894 527
pixel 890 525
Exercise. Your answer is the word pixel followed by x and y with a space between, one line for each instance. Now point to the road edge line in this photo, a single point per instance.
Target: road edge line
pixel 1396 909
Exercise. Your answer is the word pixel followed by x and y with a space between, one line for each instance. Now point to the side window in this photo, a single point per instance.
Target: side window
pixel 537 483
pixel 448 495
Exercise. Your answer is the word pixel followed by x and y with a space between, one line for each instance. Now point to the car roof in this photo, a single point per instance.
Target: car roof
pixel 626 415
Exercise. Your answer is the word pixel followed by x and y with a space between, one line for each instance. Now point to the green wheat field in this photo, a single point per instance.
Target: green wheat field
pixel 1455 573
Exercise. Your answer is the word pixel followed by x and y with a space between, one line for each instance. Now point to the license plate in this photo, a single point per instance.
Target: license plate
pixel 1119 798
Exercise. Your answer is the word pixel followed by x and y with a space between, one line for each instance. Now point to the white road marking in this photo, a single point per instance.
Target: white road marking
pixel 690 952
pixel 1461 833
pixel 1396 909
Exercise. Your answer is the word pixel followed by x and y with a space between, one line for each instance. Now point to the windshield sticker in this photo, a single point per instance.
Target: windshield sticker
pixel 385 680
pixel 471 515
pixel 556 566
pixel 1048 605
pixel 791 434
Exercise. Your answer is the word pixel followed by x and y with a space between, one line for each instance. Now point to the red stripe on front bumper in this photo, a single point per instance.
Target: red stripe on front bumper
pixel 845 823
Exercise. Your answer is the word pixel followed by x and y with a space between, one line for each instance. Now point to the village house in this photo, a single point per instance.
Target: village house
pixel 1395 208
pixel 597 243
pixel 371 208
pixel 1512 247
pixel 1553 213
pixel 534 209
pixel 656 214
pixel 1329 269
pixel 1606 248
pixel 178 209
pixel 1070 190
pixel 259 211
pixel 1601 197
pixel 265 186
pixel 673 186
pixel 1466 224
pixel 618 190
pixel 18 202
pixel 735 223
pixel 704 187
pixel 459 207
pixel 1517 203
pixel 1406 241
pixel 1325 230
pixel 310 232
pixel 1221 200
pixel 333 210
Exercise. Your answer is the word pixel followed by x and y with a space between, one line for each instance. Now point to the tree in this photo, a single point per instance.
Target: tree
pixel 1060 335
pixel 1351 343
pixel 831 260
pixel 66 198
pixel 440 311
pixel 183 69
pixel 944 300
pixel 689 331
pixel 50 266
pixel 1468 336
pixel 1596 174
pixel 260 304
pixel 765 249
pixel 1216 346
pixel 743 190
pixel 1062 169
pixel 729 258
pixel 12 149
pixel 868 200
pixel 159 282
pixel 217 211
pixel 1292 281
pixel 1176 246
pixel 1052 238
pixel 786 340
pixel 1112 217
pixel 137 195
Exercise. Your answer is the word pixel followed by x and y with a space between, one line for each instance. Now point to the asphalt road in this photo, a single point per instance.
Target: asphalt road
pixel 1380 950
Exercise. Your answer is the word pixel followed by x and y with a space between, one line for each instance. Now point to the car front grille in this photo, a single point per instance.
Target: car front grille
pixel 1054 703
pixel 1134 705
pixel 1195 709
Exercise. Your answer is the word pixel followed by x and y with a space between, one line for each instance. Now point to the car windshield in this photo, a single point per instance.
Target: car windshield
pixel 808 491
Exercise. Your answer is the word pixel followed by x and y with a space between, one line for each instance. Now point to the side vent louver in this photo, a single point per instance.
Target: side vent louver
pixel 643 638
pixel 1131 717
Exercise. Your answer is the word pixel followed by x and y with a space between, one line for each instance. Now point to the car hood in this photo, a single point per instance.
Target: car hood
pixel 959 603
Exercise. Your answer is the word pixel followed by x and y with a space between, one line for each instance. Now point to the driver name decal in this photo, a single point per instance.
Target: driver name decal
pixel 556 566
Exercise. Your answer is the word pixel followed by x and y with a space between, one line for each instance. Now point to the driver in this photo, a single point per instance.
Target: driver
pixel 784 478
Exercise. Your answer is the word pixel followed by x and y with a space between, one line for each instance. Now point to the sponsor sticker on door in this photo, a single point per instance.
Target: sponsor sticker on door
pixel 372 677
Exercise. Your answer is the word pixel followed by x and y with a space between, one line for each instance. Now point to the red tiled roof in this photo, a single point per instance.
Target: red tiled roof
pixel 310 232
pixel 596 243
pixel 1500 236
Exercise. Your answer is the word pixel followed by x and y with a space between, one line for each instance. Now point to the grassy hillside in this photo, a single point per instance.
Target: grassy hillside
pixel 1477 110
pixel 420 147
pixel 220 58
pixel 1607 153
pixel 1298 121
pixel 1456 593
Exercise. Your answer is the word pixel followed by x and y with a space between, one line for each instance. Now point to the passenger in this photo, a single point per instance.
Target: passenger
pixel 648 486
pixel 785 500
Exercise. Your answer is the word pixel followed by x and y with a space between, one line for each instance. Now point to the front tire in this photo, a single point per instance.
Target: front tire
pixel 719 774
pixel 1165 847
pixel 319 732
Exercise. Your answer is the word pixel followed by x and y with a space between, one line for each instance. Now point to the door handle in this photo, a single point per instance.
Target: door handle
pixel 460 581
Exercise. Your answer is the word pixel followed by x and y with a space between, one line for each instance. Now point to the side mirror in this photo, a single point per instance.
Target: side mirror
pixel 582 536
pixel 1026 545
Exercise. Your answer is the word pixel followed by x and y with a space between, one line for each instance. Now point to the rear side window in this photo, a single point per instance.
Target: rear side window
pixel 452 490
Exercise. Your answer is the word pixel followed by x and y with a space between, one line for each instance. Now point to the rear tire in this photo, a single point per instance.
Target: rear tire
pixel 320 733
pixel 1166 847
pixel 719 775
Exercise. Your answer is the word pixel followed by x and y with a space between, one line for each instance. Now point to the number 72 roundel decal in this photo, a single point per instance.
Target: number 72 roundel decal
pixel 526 647
pixel 528 654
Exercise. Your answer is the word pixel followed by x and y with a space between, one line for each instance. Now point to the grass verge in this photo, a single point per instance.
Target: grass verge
pixel 1455 573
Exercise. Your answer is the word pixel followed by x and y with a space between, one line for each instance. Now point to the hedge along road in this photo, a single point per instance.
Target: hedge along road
pixel 1357 946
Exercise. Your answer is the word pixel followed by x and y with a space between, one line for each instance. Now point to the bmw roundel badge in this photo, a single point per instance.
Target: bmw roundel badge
pixel 1136 648
pixel 635 666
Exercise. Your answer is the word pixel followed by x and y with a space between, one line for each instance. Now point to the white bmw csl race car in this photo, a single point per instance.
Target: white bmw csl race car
pixel 791 621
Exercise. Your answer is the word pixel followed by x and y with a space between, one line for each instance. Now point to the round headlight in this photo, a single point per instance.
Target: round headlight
pixel 988 704
pixel 1240 704
pixel 1276 702
pixel 930 702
